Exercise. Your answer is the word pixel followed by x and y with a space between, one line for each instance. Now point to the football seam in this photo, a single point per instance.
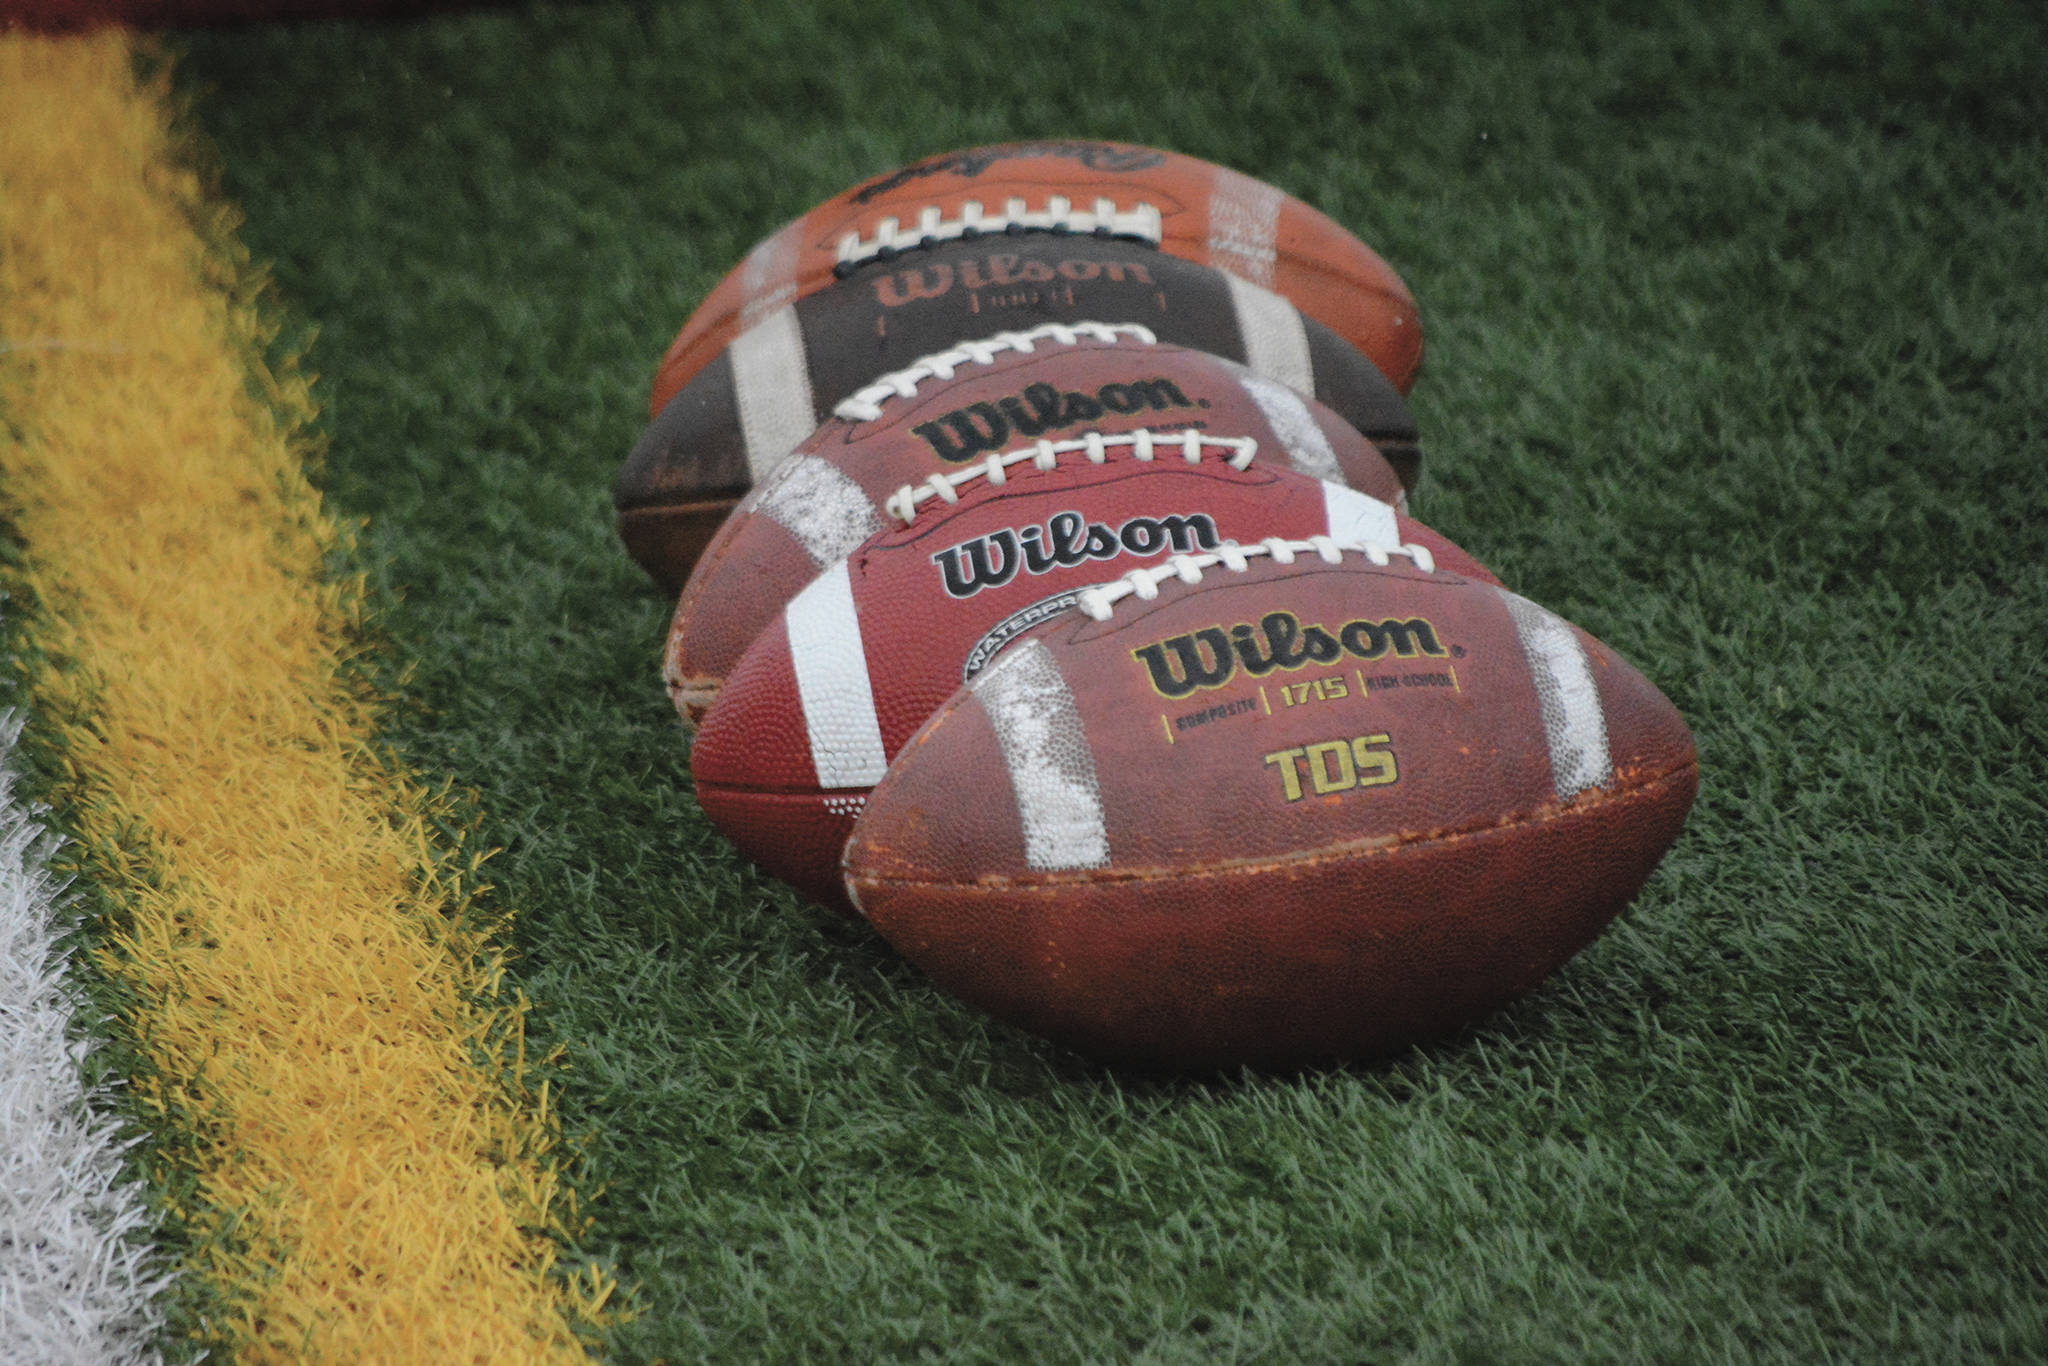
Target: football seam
pixel 1060 217
pixel 1379 847
pixel 1308 265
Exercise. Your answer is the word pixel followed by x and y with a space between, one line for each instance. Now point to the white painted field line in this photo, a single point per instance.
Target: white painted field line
pixel 77 1281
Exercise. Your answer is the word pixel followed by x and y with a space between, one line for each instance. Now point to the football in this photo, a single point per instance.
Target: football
pixel 958 406
pixel 743 413
pixel 812 712
pixel 1273 805
pixel 1188 208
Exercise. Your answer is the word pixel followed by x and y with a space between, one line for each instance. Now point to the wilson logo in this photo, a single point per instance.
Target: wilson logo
pixel 1067 539
pixel 1211 657
pixel 966 432
pixel 998 269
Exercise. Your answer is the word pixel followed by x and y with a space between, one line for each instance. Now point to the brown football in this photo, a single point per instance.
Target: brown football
pixel 1267 809
pixel 1193 209
pixel 739 417
pixel 815 708
pixel 957 407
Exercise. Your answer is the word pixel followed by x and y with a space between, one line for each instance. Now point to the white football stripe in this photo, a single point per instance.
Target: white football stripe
pixel 1573 723
pixel 768 276
pixel 1359 518
pixel 772 385
pixel 1286 412
pixel 1275 342
pixel 832 682
pixel 816 503
pixel 1244 219
pixel 1051 769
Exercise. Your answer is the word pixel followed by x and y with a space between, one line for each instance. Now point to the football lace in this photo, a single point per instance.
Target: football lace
pixel 865 403
pixel 1143 584
pixel 1139 223
pixel 1044 455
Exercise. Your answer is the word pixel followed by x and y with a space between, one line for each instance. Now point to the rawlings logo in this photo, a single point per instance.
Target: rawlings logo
pixel 1067 539
pixel 1001 268
pixel 966 432
pixel 1210 657
pixel 1093 156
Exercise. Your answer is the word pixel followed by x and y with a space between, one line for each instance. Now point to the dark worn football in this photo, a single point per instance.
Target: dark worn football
pixel 1188 208
pixel 963 405
pixel 736 420
pixel 814 709
pixel 1267 809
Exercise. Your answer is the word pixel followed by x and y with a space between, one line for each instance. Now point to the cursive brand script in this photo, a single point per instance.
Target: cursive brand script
pixel 1065 540
pixel 965 432
pixel 1211 657
pixel 997 269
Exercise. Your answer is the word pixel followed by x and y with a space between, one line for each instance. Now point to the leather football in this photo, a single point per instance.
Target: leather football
pixel 745 411
pixel 947 410
pixel 1192 209
pixel 815 708
pixel 1268 809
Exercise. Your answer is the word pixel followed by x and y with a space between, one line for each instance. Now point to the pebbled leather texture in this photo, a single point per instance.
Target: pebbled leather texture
pixel 918 631
pixel 1208 215
pixel 753 564
pixel 709 435
pixel 1245 918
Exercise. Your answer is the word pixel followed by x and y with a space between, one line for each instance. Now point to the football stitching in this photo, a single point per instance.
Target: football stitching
pixel 1140 223
pixel 865 403
pixel 1099 602
pixel 1044 455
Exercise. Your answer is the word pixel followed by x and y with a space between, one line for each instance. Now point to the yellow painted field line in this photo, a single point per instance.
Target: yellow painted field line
pixel 316 1005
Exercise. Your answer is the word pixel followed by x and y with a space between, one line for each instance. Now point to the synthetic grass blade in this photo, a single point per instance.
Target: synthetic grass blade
pixel 362 1171
pixel 1735 359
pixel 77 1282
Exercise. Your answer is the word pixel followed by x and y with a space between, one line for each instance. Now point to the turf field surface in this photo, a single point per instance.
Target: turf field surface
pixel 345 1149
pixel 1736 358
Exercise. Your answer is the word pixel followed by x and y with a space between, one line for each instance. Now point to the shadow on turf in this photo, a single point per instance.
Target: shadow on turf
pixel 931 1031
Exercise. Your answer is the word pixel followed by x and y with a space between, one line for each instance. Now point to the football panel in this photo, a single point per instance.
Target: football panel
pixel 889 314
pixel 1350 953
pixel 1058 391
pixel 694 446
pixel 1350 289
pixel 1208 214
pixel 827 497
pixel 754 736
pixel 794 837
pixel 666 540
pixel 1297 757
pixel 805 518
pixel 742 418
pixel 949 784
pixel 931 592
pixel 1310 705
pixel 1367 400
pixel 717 615
pixel 1319 442
pixel 865 653
pixel 1645 731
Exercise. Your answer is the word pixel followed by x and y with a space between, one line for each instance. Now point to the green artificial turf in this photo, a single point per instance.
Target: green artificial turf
pixel 1737 355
